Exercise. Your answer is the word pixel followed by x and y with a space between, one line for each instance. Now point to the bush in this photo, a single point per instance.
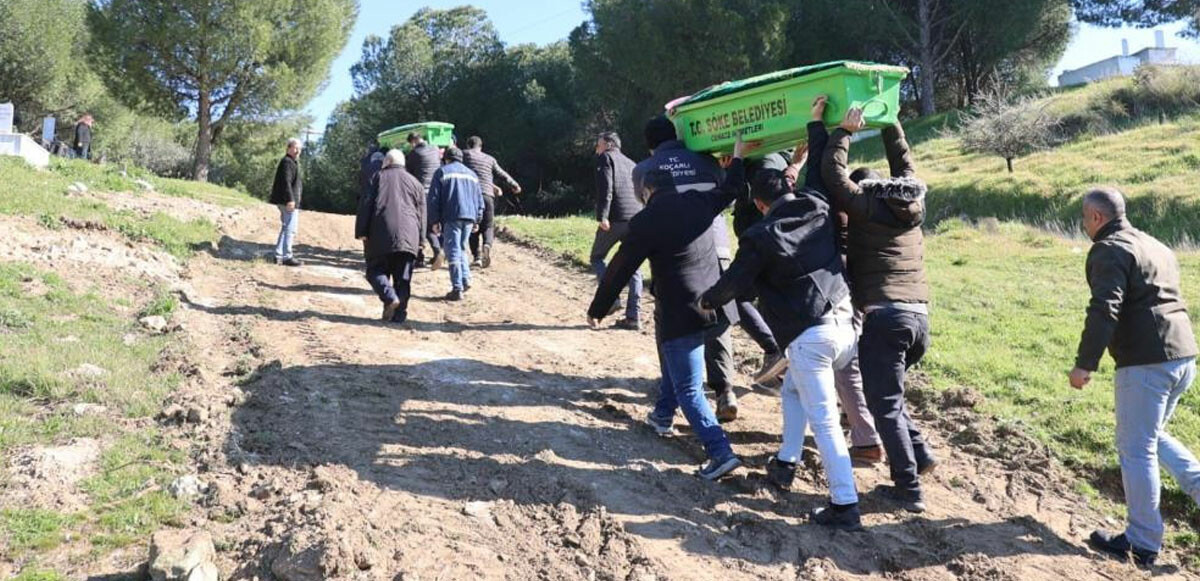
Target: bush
pixel 1009 128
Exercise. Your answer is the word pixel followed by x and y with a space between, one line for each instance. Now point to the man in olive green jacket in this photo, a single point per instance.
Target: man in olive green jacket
pixel 1138 312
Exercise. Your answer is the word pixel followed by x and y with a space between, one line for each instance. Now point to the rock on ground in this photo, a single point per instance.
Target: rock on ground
pixel 182 555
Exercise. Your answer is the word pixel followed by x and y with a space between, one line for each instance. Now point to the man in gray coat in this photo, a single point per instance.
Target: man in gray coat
pixel 391 219
pixel 616 205
pixel 1137 311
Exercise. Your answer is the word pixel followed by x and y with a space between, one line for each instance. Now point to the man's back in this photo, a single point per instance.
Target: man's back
pixel 455 194
pixel 1139 278
pixel 691 172
pixel 422 162
pixel 616 199
pixel 487 168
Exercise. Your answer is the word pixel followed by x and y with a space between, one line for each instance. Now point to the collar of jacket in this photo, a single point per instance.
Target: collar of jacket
pixel 784 199
pixel 903 189
pixel 1112 227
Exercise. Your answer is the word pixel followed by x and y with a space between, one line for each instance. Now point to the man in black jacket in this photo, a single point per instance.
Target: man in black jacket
pixel 791 259
pixel 286 193
pixel 82 144
pixel 422 161
pixel 674 232
pixel 616 204
pixel 391 219
pixel 489 172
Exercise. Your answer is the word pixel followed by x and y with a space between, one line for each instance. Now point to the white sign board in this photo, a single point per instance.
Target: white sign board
pixel 6 117
pixel 48 126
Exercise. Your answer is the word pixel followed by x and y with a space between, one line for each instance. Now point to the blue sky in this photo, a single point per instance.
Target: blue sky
pixel 546 21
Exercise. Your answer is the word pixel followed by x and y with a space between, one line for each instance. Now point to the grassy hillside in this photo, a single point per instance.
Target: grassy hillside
pixel 75 363
pixel 1155 165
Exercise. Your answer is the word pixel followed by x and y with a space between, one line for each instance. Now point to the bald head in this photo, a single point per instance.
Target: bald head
pixel 1107 201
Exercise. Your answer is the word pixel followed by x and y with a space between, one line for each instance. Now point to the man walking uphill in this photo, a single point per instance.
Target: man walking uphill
pixel 674 232
pixel 422 161
pixel 1137 311
pixel 489 171
pixel 455 207
pixel 885 257
pixel 616 204
pixel 286 193
pixel 391 218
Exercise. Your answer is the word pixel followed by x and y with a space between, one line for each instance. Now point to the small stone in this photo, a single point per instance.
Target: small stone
pixel 182 555
pixel 88 409
pixel 479 510
pixel 89 370
pixel 497 485
pixel 187 487
pixel 197 415
pixel 154 324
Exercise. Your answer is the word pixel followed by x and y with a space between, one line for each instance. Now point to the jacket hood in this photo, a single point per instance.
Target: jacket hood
pixel 904 198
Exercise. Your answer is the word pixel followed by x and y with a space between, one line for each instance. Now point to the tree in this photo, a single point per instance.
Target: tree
pixel 1143 13
pixel 1010 49
pixel 42 69
pixel 218 61
pixel 1009 128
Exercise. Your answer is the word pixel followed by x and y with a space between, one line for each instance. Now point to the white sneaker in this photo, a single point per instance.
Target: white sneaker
pixel 663 431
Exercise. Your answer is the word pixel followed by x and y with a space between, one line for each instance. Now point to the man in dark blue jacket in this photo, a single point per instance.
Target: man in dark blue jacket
pixel 792 260
pixel 696 172
pixel 455 207
pixel 674 232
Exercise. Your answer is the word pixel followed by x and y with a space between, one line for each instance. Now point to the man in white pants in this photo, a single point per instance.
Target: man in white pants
pixel 792 260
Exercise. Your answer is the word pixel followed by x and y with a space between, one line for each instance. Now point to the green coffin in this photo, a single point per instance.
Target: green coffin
pixel 438 134
pixel 775 108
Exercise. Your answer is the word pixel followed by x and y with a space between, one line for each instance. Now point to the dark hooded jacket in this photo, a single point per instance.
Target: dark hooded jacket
pixel 885 251
pixel 488 170
pixel 392 214
pixel 1137 308
pixel 422 162
pixel 674 232
pixel 616 200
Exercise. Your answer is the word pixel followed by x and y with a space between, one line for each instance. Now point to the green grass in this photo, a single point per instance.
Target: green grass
pixel 42 194
pixel 47 331
pixel 1007 312
pixel 570 237
pixel 32 574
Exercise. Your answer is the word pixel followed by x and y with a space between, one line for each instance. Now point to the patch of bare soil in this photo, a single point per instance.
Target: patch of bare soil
pixel 500 438
pixel 47 476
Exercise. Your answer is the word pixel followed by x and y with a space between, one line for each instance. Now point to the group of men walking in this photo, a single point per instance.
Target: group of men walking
pixel 793 258
pixel 835 260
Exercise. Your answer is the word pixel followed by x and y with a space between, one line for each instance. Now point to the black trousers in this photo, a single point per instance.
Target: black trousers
pixel 487 226
pixel 391 277
pixel 893 341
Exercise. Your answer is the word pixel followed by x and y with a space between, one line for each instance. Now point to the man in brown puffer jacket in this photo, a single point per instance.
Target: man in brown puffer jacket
pixel 886 265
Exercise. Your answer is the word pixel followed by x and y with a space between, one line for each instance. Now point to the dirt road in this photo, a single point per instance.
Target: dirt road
pixel 499 438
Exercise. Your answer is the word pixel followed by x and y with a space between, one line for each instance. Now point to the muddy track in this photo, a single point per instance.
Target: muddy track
pixel 499 438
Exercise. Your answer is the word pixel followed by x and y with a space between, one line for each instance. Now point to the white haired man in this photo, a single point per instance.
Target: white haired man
pixel 286 193
pixel 391 222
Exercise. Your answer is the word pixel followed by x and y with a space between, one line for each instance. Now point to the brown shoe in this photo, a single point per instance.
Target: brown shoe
pixel 866 456
pixel 727 406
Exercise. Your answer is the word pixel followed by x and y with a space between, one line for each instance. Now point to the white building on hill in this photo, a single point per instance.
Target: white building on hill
pixel 1123 65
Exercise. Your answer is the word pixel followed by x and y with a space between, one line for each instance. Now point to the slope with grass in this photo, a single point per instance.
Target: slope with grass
pixel 80 378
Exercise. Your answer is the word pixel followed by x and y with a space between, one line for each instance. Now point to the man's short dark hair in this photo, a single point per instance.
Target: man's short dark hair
pixel 864 173
pixel 1108 200
pixel 474 142
pixel 611 138
pixel 769 185
pixel 453 154
pixel 415 137
pixel 659 129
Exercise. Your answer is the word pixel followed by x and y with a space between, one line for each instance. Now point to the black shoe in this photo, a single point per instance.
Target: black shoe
pixel 288 262
pixel 716 469
pixel 1120 547
pixel 781 474
pixel 927 468
pixel 844 517
pixel 454 295
pixel 629 324
pixel 911 501
pixel 486 260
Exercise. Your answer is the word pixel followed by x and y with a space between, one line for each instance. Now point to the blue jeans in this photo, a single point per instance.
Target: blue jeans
pixel 288 222
pixel 456 234
pixel 604 242
pixel 1146 396
pixel 682 386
